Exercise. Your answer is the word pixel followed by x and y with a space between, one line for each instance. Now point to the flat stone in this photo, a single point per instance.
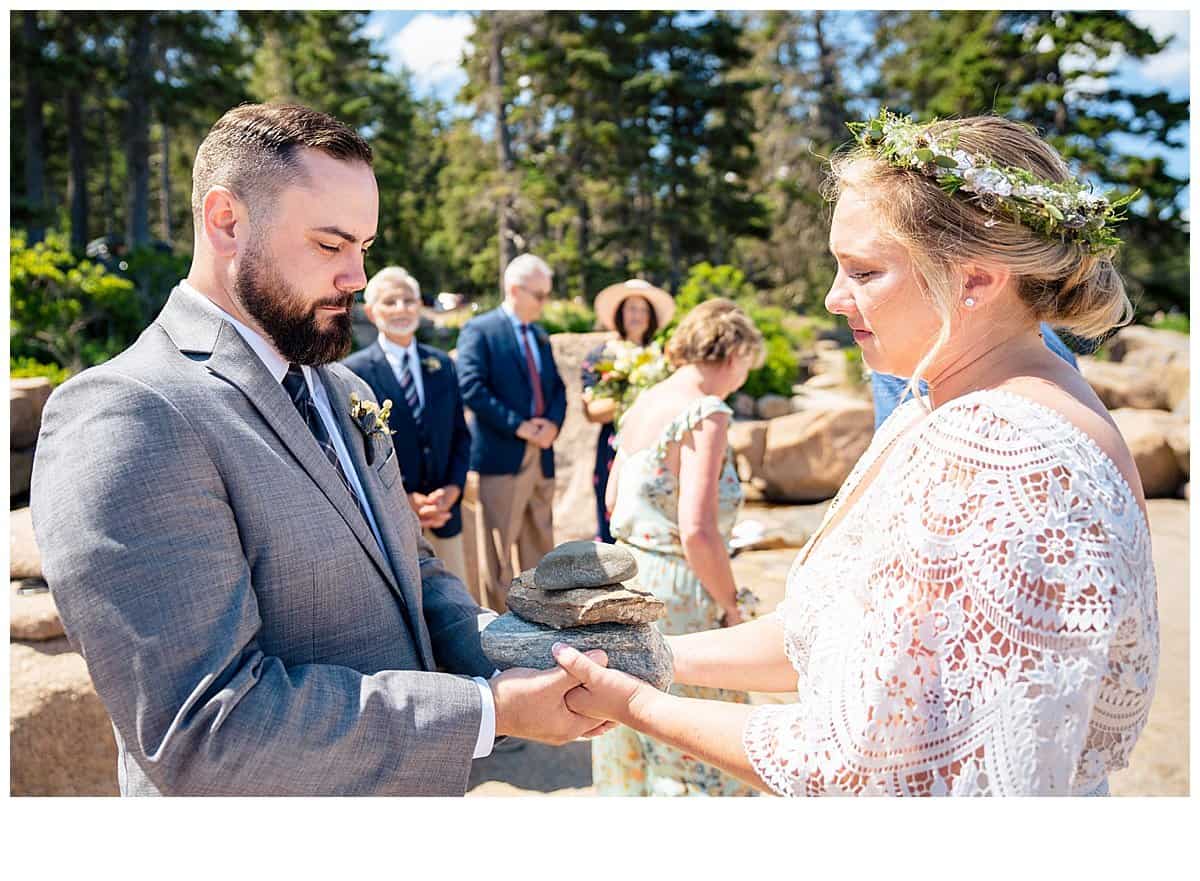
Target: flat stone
pixel 616 604
pixel 584 564
pixel 636 649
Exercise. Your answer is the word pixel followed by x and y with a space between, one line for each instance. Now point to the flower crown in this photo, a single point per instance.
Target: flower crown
pixel 1068 210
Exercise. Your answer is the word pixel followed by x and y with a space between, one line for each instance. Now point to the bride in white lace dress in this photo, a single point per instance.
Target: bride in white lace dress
pixel 977 613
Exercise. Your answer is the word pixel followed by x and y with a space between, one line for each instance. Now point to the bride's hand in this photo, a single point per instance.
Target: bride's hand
pixel 602 693
pixel 731 617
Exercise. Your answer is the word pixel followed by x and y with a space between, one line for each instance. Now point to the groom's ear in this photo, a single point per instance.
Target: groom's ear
pixel 221 217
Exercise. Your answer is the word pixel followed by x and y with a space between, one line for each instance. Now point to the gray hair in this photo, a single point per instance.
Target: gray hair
pixel 388 277
pixel 523 268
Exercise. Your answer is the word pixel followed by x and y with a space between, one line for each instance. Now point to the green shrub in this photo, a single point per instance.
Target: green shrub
pixel 154 273
pixel 706 281
pixel 567 316
pixel 781 334
pixel 27 367
pixel 1176 321
pixel 854 365
pixel 73 311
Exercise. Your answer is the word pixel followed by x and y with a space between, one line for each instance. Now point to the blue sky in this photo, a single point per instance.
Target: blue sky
pixel 430 45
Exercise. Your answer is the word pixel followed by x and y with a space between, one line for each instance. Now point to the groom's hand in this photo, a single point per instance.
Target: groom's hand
pixel 530 704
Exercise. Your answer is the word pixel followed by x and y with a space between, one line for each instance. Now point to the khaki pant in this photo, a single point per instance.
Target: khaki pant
pixel 450 552
pixel 517 517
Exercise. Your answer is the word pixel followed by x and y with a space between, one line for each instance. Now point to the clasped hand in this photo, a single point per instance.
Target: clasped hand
pixel 531 704
pixel 538 430
pixel 601 693
pixel 433 510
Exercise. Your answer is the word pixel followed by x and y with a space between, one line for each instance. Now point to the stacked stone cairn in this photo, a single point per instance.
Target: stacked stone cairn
pixel 579 595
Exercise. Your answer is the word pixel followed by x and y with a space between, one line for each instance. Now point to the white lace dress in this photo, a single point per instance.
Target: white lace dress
pixel 983 620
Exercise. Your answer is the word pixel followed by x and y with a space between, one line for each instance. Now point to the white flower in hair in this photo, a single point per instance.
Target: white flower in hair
pixel 1065 209
pixel 986 180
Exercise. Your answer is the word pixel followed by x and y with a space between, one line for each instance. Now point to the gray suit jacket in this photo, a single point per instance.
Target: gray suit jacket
pixel 240 622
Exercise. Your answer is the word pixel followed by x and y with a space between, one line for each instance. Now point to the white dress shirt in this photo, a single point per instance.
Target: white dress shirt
pixel 398 355
pixel 277 365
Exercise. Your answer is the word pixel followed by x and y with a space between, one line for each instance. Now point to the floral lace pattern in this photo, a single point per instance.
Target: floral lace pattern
pixel 983 621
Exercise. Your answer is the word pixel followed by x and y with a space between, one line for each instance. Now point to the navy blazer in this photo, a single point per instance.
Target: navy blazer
pixel 436 451
pixel 494 378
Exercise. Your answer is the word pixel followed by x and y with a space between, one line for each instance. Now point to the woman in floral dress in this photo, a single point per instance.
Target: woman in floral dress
pixel 675 496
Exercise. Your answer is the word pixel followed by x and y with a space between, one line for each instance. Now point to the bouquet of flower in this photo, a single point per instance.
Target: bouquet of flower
pixel 624 371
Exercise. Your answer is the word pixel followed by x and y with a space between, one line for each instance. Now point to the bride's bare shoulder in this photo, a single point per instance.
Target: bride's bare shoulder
pixel 1075 402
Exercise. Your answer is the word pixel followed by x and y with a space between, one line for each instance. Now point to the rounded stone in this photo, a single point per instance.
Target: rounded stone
pixel 636 649
pixel 584 564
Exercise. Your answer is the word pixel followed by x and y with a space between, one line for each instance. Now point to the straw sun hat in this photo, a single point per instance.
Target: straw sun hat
pixel 609 300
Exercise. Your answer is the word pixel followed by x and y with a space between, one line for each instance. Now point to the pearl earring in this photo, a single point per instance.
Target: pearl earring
pixel 969 302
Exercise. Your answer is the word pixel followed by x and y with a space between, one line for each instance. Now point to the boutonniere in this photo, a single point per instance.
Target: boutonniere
pixel 371 420
pixel 431 364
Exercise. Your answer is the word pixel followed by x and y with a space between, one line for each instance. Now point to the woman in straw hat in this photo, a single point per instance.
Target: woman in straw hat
pixel 635 309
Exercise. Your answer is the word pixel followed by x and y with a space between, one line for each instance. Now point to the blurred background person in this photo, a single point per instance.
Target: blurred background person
pixel 510 381
pixel 676 494
pixel 433 445
pixel 636 310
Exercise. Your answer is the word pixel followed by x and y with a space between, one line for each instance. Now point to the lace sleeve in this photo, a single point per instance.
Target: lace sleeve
pixel 1000 637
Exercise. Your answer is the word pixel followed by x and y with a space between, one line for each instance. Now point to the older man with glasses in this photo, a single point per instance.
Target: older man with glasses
pixel 510 382
pixel 433 445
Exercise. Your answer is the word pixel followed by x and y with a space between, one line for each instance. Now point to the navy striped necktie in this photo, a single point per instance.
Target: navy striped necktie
pixel 408 384
pixel 297 390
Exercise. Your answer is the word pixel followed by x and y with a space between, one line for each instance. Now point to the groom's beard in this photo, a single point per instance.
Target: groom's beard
pixel 290 322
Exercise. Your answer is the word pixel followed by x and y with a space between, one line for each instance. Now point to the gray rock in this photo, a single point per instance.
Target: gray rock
pixel 20 472
pixel 636 649
pixel 584 564
pixel 618 604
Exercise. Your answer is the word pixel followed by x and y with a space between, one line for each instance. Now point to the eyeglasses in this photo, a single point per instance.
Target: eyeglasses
pixel 540 296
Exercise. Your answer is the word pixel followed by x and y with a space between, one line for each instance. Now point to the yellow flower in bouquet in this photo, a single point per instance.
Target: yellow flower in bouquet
pixel 624 370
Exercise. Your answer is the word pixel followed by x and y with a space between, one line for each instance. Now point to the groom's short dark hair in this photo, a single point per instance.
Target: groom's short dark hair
pixel 252 151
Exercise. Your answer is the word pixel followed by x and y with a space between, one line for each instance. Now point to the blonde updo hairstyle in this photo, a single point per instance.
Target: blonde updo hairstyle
pixel 714 331
pixel 1062 283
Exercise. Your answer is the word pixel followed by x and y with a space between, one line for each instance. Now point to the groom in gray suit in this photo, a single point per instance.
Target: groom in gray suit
pixel 228 541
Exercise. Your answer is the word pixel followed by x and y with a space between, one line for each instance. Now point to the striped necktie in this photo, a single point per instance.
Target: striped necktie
pixel 297 390
pixel 409 385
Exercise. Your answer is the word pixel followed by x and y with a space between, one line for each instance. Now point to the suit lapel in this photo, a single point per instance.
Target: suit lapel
pixel 194 328
pixel 434 383
pixel 517 349
pixel 385 378
pixel 381 503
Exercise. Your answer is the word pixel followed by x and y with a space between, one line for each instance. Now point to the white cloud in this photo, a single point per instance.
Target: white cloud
pixel 431 47
pixel 1162 23
pixel 373 30
pixel 1169 67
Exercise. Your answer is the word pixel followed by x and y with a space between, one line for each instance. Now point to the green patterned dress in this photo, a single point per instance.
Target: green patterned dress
pixel 646 521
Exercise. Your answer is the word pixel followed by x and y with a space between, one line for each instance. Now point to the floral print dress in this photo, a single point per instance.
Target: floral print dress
pixel 646 521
